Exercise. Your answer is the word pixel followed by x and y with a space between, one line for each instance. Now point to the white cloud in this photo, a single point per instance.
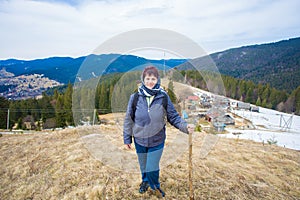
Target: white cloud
pixel 33 29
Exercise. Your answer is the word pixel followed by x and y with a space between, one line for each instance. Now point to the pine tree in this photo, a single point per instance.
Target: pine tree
pixel 47 110
pixel 233 87
pixel 264 103
pixel 3 112
pixel 258 102
pixel 35 111
pixel 15 113
pixel 19 123
pixel 59 112
pixel 266 93
pixel 68 105
pixel 56 94
pixel 243 90
pixel 297 100
pixel 171 93
pixel 249 95
pixel 273 98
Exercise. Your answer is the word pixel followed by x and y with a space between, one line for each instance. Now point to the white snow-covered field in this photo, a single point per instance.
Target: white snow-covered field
pixel 269 126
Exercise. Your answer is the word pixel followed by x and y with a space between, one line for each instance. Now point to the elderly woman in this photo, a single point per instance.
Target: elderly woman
pixel 145 123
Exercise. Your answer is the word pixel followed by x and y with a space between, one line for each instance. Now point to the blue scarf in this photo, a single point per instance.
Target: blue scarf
pixel 150 92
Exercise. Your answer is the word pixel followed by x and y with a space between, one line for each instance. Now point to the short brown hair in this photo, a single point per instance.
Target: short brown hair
pixel 150 70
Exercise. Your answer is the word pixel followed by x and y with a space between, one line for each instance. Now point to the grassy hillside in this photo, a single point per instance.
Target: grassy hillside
pixel 58 165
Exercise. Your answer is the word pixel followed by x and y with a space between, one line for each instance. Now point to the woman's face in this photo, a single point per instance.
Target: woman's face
pixel 150 81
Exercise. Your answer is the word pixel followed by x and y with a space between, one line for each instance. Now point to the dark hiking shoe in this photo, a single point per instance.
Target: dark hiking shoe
pixel 143 187
pixel 158 193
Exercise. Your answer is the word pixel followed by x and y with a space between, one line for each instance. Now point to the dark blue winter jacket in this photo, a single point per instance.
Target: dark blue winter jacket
pixel 149 126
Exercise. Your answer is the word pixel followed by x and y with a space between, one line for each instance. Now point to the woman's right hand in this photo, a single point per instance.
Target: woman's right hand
pixel 191 128
pixel 128 146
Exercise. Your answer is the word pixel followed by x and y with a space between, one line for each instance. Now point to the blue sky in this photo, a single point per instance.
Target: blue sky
pixel 45 28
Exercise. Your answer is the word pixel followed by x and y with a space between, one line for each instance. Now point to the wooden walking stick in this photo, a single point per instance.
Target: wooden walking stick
pixel 190 156
pixel 191 166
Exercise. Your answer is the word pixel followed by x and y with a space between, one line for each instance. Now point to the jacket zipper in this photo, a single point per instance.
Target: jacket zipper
pixel 149 102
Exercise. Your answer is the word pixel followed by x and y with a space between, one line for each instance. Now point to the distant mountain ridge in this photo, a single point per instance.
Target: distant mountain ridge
pixel 60 69
pixel 65 69
pixel 275 63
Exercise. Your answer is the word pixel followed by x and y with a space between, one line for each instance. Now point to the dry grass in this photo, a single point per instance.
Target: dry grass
pixel 58 165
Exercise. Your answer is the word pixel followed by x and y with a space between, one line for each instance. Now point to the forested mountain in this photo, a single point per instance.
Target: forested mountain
pixel 275 63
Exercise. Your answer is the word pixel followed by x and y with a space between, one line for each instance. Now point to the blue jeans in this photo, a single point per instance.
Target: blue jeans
pixel 149 158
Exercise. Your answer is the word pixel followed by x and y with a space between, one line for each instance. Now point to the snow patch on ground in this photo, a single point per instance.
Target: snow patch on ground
pixel 270 127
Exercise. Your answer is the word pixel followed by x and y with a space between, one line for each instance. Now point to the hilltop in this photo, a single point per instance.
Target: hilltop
pixel 61 165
